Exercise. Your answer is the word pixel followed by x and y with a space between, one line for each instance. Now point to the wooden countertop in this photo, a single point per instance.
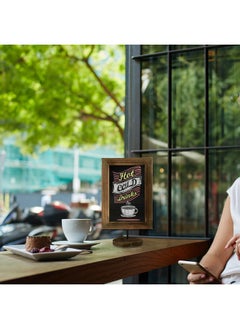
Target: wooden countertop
pixel 107 263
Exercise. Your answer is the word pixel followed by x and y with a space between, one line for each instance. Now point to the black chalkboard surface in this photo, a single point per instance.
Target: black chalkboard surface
pixel 127 193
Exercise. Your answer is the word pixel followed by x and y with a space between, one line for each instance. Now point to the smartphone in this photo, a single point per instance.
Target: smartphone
pixel 195 267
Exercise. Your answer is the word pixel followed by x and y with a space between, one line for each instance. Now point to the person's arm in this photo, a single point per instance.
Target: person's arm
pixel 217 256
pixel 234 242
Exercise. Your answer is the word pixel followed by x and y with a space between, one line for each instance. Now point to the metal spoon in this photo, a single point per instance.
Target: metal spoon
pixel 63 247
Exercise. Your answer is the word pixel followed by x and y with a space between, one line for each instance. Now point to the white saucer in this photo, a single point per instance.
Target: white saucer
pixel 42 256
pixel 77 245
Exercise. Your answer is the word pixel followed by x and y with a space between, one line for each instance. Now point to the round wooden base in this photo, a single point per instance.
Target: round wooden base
pixel 127 242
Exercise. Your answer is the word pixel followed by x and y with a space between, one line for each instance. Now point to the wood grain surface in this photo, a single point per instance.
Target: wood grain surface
pixel 107 263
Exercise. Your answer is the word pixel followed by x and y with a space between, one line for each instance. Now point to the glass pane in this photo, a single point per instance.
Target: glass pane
pixel 150 49
pixel 188 105
pixel 224 95
pixel 160 194
pixel 188 197
pixel 154 103
pixel 223 170
pixel 178 47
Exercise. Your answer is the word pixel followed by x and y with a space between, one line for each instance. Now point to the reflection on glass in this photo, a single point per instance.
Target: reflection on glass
pixel 154 103
pixel 194 100
pixel 204 110
pixel 150 49
pixel 178 47
pixel 187 206
pixel 188 105
pixel 224 168
pixel 224 92
pixel 160 194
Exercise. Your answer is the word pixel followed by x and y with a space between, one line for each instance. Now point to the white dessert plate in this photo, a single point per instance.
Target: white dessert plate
pixel 77 245
pixel 43 256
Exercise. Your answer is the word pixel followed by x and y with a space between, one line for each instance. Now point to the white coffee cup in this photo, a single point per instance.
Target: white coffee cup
pixel 75 229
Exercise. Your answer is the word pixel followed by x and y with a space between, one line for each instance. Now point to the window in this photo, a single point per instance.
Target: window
pixel 183 109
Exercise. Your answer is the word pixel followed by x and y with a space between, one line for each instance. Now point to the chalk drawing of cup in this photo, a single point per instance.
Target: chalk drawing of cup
pixel 129 210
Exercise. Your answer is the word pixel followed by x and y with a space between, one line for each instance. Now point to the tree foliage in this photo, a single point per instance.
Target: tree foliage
pixel 62 95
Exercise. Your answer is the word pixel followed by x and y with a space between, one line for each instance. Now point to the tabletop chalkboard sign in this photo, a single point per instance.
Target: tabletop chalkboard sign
pixel 127 193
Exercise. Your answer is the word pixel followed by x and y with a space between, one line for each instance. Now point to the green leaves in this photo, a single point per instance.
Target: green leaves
pixel 62 94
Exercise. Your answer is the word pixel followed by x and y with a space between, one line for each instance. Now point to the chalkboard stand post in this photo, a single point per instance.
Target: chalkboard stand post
pixel 126 241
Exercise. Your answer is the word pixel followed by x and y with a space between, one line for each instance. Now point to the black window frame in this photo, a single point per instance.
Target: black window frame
pixel 133 147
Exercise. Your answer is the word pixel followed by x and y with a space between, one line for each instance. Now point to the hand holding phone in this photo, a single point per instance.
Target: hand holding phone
pixel 195 267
